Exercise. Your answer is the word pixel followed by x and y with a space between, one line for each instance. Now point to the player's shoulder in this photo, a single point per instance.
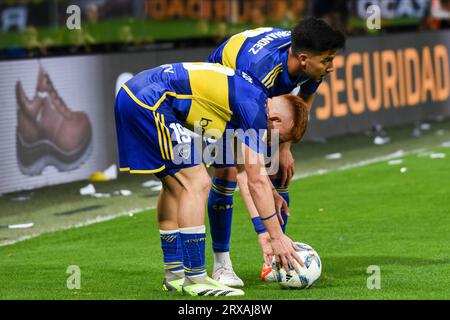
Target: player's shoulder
pixel 246 89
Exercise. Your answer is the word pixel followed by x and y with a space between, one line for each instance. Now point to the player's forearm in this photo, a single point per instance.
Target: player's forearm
pixel 246 196
pixel 262 196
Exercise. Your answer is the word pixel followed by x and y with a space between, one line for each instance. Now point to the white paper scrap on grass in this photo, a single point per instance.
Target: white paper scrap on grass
pixel 380 140
pixel 123 192
pixel 87 190
pixel 403 169
pixel 156 188
pixel 101 195
pixel 445 144
pixel 21 226
pixel 334 156
pixel 151 183
pixel 438 156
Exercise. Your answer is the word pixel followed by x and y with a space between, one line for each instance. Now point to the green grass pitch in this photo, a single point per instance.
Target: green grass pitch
pixel 369 215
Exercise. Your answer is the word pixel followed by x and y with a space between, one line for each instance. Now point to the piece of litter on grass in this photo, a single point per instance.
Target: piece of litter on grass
pixel 403 169
pixel 21 226
pixel 101 195
pixel 130 214
pixel 445 144
pixel 425 126
pixel 440 132
pixel 322 171
pixel 380 140
pixel 416 133
pixel 395 162
pixel 87 190
pixel 437 156
pixel 22 197
pixel 151 183
pixel 122 193
pixel 156 188
pixel 333 156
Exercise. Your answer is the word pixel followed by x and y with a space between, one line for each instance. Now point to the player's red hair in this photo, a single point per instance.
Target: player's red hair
pixel 300 116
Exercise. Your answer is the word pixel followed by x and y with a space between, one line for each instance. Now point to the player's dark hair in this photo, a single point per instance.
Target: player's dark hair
pixel 300 116
pixel 312 34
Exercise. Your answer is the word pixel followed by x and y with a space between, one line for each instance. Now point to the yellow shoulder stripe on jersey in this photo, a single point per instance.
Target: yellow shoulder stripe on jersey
pixel 143 171
pixel 163 97
pixel 270 75
pixel 272 81
pixel 231 50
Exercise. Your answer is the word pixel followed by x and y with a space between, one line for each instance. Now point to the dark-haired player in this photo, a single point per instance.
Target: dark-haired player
pixel 279 61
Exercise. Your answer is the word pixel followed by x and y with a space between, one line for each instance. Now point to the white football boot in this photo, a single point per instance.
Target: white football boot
pixel 226 276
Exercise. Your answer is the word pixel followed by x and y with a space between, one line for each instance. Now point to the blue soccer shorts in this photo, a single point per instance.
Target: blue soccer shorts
pixel 151 140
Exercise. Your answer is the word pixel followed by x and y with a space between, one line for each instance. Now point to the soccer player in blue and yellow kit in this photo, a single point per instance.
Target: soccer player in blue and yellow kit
pixel 153 111
pixel 279 61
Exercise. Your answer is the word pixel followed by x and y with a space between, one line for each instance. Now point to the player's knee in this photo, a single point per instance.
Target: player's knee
pixel 228 173
pixel 205 184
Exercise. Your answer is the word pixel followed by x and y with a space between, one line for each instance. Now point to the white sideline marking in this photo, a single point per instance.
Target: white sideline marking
pixel 137 210
pixel 88 222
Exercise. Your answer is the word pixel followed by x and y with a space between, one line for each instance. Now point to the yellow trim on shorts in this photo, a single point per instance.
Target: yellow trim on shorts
pixel 160 136
pixel 143 171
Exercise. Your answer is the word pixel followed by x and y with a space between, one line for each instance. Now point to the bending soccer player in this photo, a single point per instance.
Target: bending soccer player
pixel 279 61
pixel 152 111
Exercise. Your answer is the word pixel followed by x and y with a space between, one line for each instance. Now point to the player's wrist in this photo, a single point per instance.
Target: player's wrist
pixel 258 225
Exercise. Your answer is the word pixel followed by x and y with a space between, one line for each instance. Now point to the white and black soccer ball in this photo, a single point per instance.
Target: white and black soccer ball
pixel 307 274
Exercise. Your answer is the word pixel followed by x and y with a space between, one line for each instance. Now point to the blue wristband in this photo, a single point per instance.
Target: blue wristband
pixel 258 225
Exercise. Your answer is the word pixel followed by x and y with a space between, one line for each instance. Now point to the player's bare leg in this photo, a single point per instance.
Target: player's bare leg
pixel 192 186
pixel 220 209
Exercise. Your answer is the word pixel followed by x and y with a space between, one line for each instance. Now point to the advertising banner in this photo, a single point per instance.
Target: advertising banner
pixel 57 122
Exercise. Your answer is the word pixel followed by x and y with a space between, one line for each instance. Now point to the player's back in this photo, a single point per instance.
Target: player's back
pixel 263 54
pixel 211 95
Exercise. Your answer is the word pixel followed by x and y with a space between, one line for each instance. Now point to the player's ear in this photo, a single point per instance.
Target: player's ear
pixel 302 57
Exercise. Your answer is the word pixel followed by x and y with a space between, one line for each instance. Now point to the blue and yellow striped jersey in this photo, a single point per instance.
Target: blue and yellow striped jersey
pixel 263 53
pixel 210 96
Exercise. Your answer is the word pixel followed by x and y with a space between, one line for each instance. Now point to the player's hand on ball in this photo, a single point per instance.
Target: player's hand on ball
pixel 284 252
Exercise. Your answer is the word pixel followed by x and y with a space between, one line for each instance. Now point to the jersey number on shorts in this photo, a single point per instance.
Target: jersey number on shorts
pixel 181 135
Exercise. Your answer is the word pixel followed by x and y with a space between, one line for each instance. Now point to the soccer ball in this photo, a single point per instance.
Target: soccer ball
pixel 307 274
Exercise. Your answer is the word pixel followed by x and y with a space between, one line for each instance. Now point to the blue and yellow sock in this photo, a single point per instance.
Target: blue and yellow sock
pixel 172 251
pixel 193 244
pixel 220 213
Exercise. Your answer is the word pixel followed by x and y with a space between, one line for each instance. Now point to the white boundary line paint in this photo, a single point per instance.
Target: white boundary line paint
pixel 99 219
pixel 88 222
